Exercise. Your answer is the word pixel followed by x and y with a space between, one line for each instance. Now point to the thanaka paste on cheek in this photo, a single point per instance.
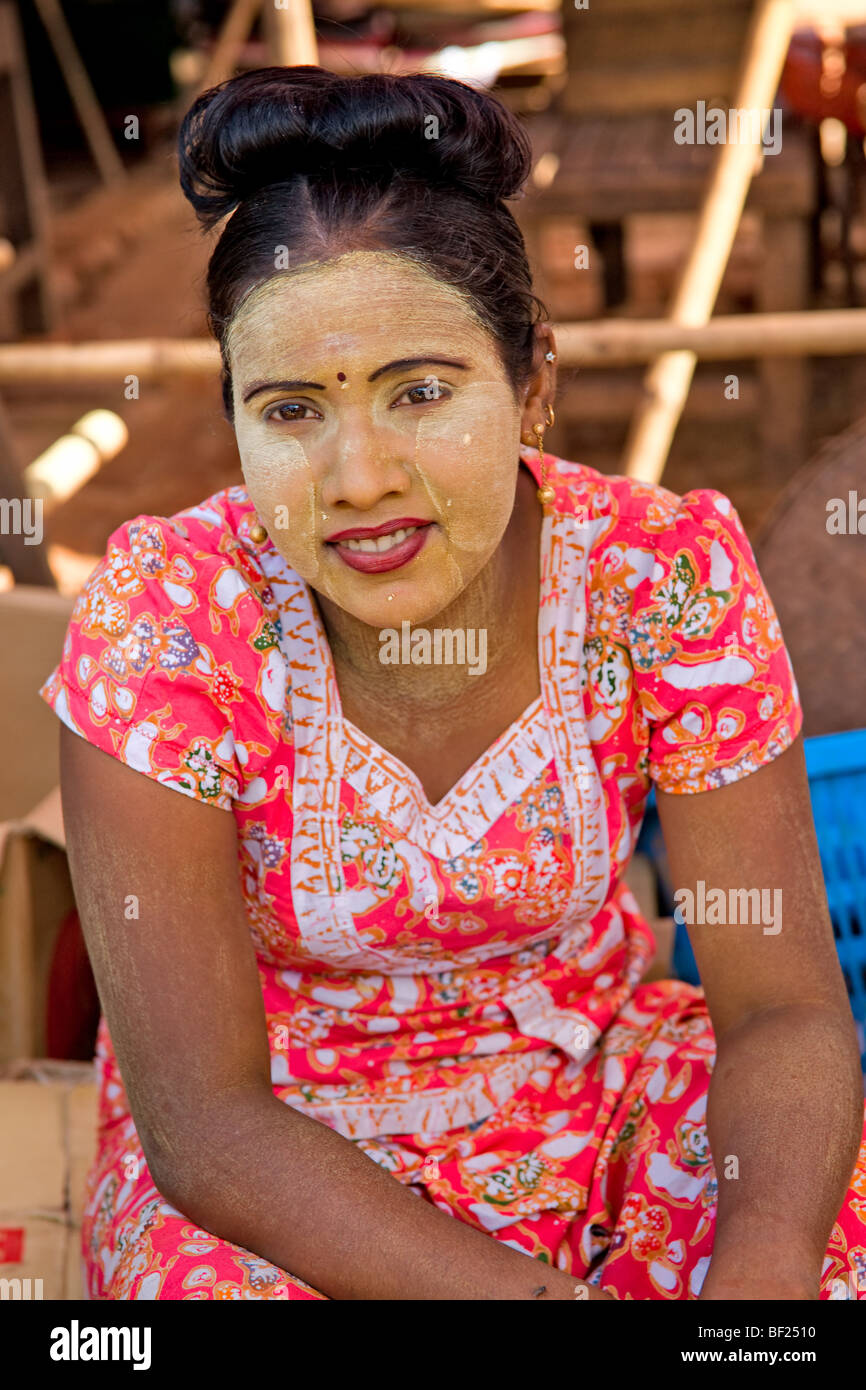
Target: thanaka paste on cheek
pixel 454 463
pixel 276 469
pixel 477 434
pixel 283 478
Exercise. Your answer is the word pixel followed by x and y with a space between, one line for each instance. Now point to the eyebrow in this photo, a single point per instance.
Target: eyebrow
pixel 256 387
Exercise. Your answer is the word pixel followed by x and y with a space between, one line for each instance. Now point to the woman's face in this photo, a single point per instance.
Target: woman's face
pixel 366 393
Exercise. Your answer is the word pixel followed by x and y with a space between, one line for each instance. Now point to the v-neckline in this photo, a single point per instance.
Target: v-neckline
pixel 532 721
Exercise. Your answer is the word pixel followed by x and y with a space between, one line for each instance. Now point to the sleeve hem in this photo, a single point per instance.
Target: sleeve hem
pixel 742 765
pixel 178 780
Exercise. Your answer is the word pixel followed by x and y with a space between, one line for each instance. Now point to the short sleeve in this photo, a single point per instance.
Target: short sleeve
pixel 165 643
pixel 713 675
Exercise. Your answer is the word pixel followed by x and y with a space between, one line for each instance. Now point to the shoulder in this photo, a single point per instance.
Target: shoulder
pixel 643 530
pixel 616 506
pixel 206 539
pixel 198 567
pixel 171 658
pixel 678 619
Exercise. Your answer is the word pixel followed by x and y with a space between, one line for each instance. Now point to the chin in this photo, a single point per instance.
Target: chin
pixel 379 613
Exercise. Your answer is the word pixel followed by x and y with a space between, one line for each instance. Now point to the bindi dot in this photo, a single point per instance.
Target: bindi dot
pixel 341 376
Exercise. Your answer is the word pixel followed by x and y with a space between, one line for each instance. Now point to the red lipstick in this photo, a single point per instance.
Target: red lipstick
pixel 378 562
pixel 361 533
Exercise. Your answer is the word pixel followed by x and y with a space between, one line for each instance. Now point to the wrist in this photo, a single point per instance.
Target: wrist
pixel 763 1265
pixel 757 1289
pixel 772 1246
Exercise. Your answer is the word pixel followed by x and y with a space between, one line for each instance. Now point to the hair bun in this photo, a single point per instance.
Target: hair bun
pixel 269 125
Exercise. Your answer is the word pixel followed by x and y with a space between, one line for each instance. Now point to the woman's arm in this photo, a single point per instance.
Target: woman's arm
pixel 785 1105
pixel 179 986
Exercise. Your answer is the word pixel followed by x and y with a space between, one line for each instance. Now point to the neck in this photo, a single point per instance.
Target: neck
pixel 486 605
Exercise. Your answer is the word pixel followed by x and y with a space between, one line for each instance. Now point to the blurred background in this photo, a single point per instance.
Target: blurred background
pixel 117 253
pixel 708 299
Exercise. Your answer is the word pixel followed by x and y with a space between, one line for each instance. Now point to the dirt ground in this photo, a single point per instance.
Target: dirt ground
pixel 132 263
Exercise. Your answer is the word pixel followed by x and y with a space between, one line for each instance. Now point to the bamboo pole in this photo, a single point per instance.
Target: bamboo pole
pixel 623 342
pixel 667 383
pixel 291 33
pixel 604 343
pixel 230 40
pixel 151 359
pixel 487 61
pixel 93 123
pixel 73 459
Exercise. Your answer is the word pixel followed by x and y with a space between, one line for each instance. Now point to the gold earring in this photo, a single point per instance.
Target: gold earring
pixel 258 533
pixel 546 493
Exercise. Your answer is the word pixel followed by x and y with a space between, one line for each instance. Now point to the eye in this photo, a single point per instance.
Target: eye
pixel 274 411
pixel 431 389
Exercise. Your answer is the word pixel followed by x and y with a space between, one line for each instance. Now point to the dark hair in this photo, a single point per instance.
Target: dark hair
pixel 321 165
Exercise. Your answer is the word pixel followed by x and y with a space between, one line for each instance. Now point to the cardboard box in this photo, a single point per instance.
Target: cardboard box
pixel 33 1257
pixel 36 896
pixel 35 887
pixel 33 623
pixel 48 1116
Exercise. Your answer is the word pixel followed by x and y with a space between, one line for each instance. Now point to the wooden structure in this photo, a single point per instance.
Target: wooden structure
pixel 26 299
pixel 816 578
pixel 530 62
pixel 290 36
pixel 26 303
pixel 87 108
pixel 667 383
pixel 609 343
pixel 632 64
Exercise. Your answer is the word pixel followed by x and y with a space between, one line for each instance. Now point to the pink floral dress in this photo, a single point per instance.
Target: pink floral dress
pixel 454 988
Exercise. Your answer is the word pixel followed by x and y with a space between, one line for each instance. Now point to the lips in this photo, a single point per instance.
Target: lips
pixel 372 532
pixel 370 560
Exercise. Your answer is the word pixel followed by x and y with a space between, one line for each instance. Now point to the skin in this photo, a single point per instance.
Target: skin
pixel 359 453
pixel 786 1094
pixel 179 986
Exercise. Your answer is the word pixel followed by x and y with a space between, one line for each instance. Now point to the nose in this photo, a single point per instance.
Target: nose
pixel 365 464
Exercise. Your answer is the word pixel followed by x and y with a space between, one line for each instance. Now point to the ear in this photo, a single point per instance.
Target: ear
pixel 541 389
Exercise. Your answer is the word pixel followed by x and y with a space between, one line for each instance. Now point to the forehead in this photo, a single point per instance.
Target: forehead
pixel 358 302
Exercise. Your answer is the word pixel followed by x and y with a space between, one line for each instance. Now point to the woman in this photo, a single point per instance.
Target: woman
pixel 409 940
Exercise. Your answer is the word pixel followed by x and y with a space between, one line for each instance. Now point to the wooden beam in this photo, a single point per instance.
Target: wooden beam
pixel 93 123
pixel 27 300
pixel 475 8
pixel 152 359
pixel 668 381
pixel 290 33
pixel 619 342
pixel 231 38
pixel 604 343
pixel 72 460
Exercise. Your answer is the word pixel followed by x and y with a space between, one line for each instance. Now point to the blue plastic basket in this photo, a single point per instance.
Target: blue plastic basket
pixel 836 766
